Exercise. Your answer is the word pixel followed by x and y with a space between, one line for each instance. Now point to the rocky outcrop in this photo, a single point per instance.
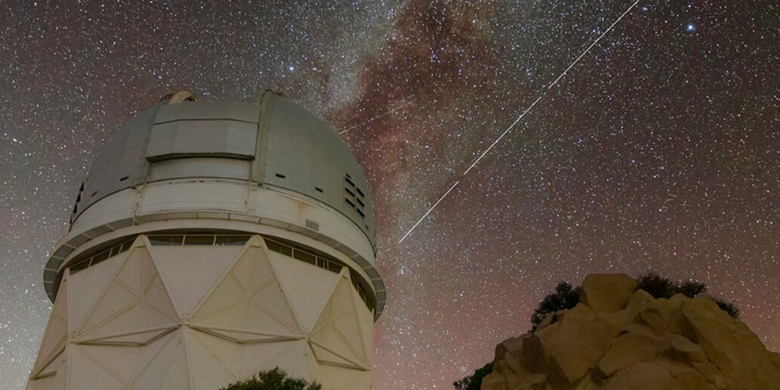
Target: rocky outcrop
pixel 619 337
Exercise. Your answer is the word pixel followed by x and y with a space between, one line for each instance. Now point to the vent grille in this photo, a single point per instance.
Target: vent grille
pixel 353 195
pixel 312 225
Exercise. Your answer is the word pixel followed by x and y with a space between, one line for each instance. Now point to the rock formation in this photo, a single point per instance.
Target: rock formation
pixel 619 337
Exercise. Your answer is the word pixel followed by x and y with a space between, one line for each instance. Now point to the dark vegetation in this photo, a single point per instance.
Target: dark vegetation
pixel 566 297
pixel 275 379
pixel 474 381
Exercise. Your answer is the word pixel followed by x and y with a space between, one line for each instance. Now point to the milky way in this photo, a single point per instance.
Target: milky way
pixel 659 150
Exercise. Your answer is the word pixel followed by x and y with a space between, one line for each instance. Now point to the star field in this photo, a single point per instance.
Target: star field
pixel 659 150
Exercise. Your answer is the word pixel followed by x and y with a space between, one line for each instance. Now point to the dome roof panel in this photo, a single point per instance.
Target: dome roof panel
pixel 289 148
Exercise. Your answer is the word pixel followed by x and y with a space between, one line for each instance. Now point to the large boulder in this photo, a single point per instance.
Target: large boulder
pixel 619 337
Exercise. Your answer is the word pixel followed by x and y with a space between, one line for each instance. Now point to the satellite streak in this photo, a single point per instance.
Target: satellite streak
pixel 377 117
pixel 541 95
pixel 429 210
pixel 504 133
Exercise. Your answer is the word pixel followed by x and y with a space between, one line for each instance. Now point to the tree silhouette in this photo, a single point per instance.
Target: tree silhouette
pixel 275 379
pixel 474 381
pixel 564 297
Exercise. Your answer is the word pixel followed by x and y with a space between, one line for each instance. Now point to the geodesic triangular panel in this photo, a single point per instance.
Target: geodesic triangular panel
pixel 253 269
pixel 248 303
pixel 308 368
pixel 228 353
pixel 228 318
pixel 88 373
pixel 227 291
pixel 261 320
pixel 116 299
pixel 209 371
pixel 338 334
pixel 153 360
pixel 335 349
pixel 308 286
pixel 135 306
pixel 56 335
pixel 177 372
pixel 342 302
pixel 271 298
pixel 189 271
pixel 265 356
pixel 57 364
pixel 52 377
pixel 347 326
pixel 46 383
pixel 87 287
pixel 119 360
pixel 157 296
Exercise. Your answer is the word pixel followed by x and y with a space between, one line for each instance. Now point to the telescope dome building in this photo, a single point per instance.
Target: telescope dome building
pixel 211 241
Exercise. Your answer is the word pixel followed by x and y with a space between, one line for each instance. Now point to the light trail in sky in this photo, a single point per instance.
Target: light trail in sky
pixel 379 116
pixel 528 109
pixel 429 210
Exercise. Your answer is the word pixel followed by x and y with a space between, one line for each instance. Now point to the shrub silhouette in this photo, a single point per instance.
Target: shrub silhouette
pixel 656 285
pixel 728 307
pixel 275 379
pixel 474 381
pixel 692 288
pixel 564 297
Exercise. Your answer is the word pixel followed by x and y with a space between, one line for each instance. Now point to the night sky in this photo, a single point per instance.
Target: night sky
pixel 659 150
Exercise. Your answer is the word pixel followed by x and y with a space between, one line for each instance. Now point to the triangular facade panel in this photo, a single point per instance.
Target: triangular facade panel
pixel 209 371
pixel 118 359
pixel 227 352
pixel 307 286
pixel 57 364
pixel 152 364
pixel 227 291
pixel 271 298
pixel 338 337
pixel 248 303
pixel 190 271
pixel 56 335
pixel 177 372
pixel 342 356
pixel 134 308
pixel 261 320
pixel 157 295
pixel 87 373
pixel 308 368
pixel 149 353
pixel 348 328
pixel 230 318
pixel 254 268
pixel 263 356
pixel 245 316
pixel 130 273
pixel 87 287
pixel 116 299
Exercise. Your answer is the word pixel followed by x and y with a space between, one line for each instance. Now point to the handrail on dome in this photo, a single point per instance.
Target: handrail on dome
pixel 179 96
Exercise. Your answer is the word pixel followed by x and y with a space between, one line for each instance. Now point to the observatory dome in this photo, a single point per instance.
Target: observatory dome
pixel 149 171
pixel 287 146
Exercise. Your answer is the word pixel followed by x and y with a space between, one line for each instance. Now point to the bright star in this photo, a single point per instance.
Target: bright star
pixel 691 27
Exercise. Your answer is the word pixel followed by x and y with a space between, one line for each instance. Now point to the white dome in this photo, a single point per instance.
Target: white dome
pixel 275 145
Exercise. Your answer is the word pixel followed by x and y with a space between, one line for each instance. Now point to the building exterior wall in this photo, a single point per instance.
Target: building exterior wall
pixel 200 316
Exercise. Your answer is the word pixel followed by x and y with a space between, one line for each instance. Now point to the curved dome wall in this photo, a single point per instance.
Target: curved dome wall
pixel 278 143
pixel 271 168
